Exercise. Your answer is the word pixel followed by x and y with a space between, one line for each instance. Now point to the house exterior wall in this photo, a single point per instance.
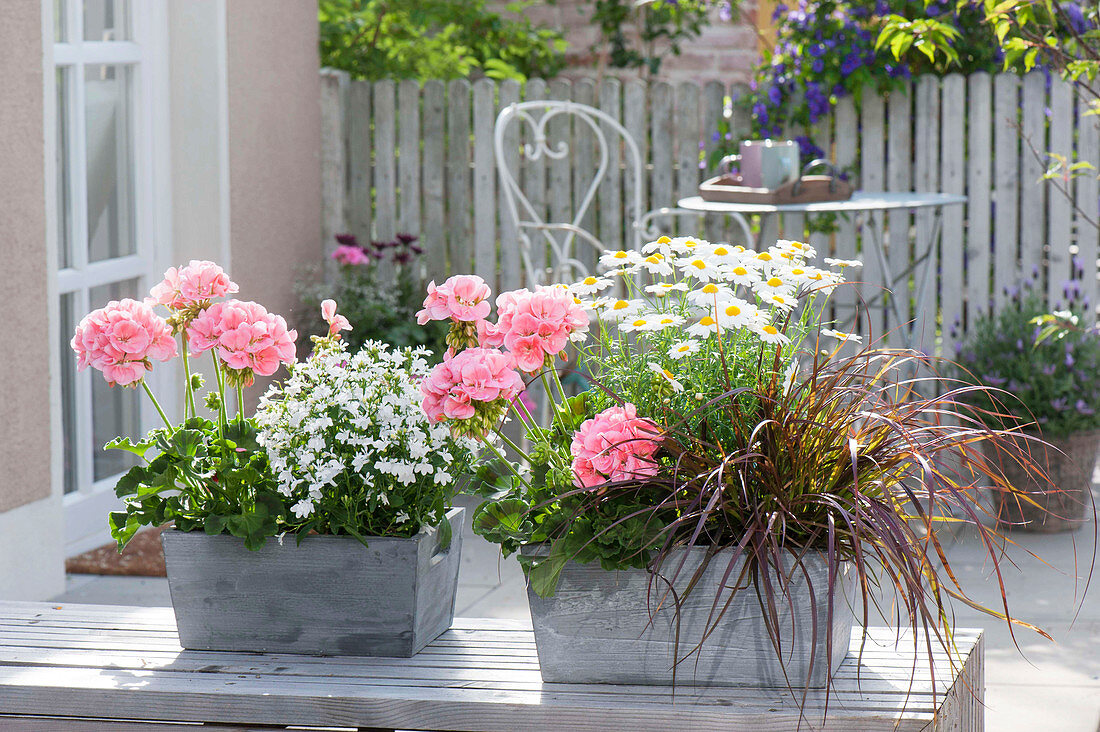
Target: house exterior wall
pixel 30 515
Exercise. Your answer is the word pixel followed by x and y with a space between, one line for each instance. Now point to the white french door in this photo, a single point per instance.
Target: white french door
pixel 109 210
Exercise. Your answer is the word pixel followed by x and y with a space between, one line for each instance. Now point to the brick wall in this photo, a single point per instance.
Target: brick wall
pixel 725 51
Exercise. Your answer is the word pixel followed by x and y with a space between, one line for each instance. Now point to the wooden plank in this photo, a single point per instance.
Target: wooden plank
pixel 560 186
pixel 872 170
pixel 714 104
pixel 1086 192
pixel 952 180
pixel 1033 191
pixel 510 265
pixel 1060 212
pixel 585 160
pixel 484 198
pixel 385 171
pixel 979 186
pixel 433 239
pixel 793 226
pixel 334 182
pixel 846 145
pixel 1006 186
pixel 688 146
pixel 898 178
pixel 662 130
pixel 822 136
pixel 534 177
pixel 459 219
pixel 926 164
pixel 408 157
pixel 360 203
pixel 609 200
pixel 740 129
pixel 635 204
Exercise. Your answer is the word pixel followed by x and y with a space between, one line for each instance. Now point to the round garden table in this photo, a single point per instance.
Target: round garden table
pixel 864 204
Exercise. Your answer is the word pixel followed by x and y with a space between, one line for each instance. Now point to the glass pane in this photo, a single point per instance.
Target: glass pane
pixel 115 410
pixel 64 209
pixel 68 392
pixel 106 20
pixel 60 16
pixel 110 167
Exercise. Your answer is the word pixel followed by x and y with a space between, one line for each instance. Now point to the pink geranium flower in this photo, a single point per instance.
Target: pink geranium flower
pixel 476 382
pixel 194 285
pixel 121 340
pixel 350 255
pixel 615 445
pixel 463 298
pixel 247 338
pixel 535 326
pixel 336 323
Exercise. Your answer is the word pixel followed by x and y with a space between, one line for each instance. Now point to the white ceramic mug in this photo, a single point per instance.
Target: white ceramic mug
pixel 767 163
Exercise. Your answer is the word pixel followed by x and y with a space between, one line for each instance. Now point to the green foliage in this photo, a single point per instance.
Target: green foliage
pixel 639 35
pixel 435 39
pixel 378 307
pixel 205 476
pixel 1049 381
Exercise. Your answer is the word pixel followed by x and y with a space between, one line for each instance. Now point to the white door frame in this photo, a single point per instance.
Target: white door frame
pixel 87 507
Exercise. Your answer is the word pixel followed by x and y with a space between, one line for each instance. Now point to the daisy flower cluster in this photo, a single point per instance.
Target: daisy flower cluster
pixel 347 441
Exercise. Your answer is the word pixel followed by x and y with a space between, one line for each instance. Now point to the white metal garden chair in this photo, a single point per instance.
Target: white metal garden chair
pixel 561 238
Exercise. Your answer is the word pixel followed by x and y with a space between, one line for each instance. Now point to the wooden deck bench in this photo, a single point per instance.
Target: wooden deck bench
pixel 79 668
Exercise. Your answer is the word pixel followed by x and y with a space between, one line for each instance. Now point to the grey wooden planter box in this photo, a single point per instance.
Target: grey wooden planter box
pixel 599 627
pixel 329 596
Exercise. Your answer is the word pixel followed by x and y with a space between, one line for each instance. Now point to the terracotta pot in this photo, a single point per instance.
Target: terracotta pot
pixel 1068 463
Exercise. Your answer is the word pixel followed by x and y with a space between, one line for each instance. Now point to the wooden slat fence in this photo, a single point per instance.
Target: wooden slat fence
pixel 406 157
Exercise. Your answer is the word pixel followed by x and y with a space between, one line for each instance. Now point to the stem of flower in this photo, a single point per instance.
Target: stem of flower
pixel 505 460
pixel 240 403
pixel 561 389
pixel 222 422
pixel 156 404
pixel 189 393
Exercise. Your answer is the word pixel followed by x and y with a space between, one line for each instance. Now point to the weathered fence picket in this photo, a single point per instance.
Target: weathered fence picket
pixel 404 157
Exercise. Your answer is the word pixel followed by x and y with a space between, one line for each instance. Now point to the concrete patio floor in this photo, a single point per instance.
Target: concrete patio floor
pixel 1052 686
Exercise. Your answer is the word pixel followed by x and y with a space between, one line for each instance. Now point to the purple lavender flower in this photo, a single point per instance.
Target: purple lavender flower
pixel 725 12
pixel 994 379
pixel 1060 404
pixel 1049 369
pixel 1083 408
pixel 1019 344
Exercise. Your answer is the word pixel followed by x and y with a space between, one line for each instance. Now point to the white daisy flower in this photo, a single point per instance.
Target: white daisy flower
pixel 770 334
pixel 597 304
pixel 779 300
pixel 657 264
pixel 661 289
pixel 590 285
pixel 649 322
pixel 842 263
pixel 723 254
pixel 621 259
pixel 662 245
pixel 687 245
pixel 704 328
pixel 621 309
pixel 789 378
pixel 736 313
pixel 800 248
pixel 842 336
pixel 710 293
pixel 667 375
pixel 683 348
pixel 773 284
pixel 700 268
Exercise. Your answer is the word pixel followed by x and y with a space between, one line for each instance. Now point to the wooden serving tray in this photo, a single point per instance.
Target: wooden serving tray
pixel 811 189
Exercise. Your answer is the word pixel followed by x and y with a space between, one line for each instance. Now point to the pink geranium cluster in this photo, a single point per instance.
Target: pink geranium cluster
pixel 193 286
pixel 336 323
pixel 472 387
pixel 463 298
pixel 350 255
pixel 614 445
pixel 121 340
pixel 248 339
pixel 535 326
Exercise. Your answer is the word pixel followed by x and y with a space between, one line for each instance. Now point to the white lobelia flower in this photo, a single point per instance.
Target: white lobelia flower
pixel 842 263
pixel 303 508
pixel 590 285
pixel 667 375
pixel 660 289
pixel 842 336
pixel 680 349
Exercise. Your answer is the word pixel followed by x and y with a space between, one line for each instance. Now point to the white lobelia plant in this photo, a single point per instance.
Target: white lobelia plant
pixel 351 448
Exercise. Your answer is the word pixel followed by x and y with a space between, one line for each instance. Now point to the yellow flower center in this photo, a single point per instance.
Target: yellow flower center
pixel 639 322
pixel 577 300
pixel 667 373
pixel 764 257
pixel 779 299
pixel 739 249
pixel 710 288
pixel 733 311
pixel 589 280
pixel 621 255
pixel 798 271
pixel 664 240
pixel 721 251
pixel 690 244
pixel 620 305
pixel 798 245
pixel 775 282
pixel 667 321
pixel 683 349
pixel 706 321
pixel 815 276
pixel 653 259
pixel 770 329
pixel 698 264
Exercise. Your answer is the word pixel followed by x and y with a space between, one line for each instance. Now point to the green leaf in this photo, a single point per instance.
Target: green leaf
pixel 214 524
pixel 123 527
pixel 244 435
pixel 123 443
pixel 132 481
pixel 504 519
pixel 446 532
pixel 545 574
